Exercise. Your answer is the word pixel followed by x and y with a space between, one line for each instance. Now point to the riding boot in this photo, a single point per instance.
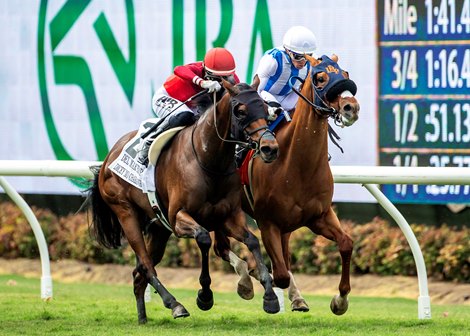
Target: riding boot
pixel 180 119
pixel 240 154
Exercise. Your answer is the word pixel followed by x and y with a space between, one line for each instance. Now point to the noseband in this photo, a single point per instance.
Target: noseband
pixel 252 100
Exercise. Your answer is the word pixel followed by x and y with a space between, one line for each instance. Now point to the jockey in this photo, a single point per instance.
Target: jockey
pixel 279 65
pixel 170 102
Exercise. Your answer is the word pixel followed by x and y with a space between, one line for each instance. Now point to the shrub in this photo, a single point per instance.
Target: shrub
pixel 379 248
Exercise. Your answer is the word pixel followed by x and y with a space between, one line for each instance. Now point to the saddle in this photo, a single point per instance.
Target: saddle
pixel 154 152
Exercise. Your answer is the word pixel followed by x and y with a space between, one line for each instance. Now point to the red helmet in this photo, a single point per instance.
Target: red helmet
pixel 219 62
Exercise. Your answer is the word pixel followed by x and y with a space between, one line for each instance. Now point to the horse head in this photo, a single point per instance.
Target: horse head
pixel 333 89
pixel 249 125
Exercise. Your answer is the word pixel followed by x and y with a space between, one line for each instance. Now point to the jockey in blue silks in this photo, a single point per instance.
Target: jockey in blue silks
pixel 279 65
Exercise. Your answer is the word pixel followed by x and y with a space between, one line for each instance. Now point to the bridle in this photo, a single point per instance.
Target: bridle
pixel 250 143
pixel 322 111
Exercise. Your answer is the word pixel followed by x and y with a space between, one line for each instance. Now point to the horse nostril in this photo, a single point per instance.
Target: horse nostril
pixel 347 107
pixel 269 151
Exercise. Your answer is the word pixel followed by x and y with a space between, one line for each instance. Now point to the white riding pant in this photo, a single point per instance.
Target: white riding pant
pixel 287 102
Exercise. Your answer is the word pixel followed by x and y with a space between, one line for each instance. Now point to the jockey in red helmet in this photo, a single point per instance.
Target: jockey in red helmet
pixel 169 101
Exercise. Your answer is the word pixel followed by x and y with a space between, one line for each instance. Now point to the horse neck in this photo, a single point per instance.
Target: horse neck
pixel 212 151
pixel 305 138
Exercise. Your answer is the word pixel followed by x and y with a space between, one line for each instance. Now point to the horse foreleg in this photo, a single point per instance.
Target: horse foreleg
pixel 239 230
pixel 272 243
pixel 222 249
pixel 330 228
pixel 186 226
pixel 298 303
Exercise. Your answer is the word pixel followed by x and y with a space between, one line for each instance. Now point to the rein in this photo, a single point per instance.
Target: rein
pixel 203 167
pixel 251 144
pixel 323 112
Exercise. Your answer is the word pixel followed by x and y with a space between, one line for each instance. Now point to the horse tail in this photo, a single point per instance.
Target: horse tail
pixel 105 226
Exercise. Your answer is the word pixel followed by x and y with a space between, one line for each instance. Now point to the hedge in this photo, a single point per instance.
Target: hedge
pixel 379 247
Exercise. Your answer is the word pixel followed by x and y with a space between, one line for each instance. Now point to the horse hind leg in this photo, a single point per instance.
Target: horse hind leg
pixel 157 238
pixel 140 284
pixel 133 233
pixel 245 284
pixel 222 249
pixel 238 229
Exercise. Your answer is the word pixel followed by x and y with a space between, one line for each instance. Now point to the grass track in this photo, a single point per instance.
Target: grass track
pixel 91 309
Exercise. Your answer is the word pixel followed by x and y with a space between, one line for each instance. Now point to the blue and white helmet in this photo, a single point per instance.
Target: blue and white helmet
pixel 300 40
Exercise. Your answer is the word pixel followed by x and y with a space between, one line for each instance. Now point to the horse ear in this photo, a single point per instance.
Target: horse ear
pixel 313 61
pixel 231 89
pixel 255 83
pixel 334 58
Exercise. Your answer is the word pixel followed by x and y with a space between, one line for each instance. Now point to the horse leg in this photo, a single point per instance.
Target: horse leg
pixel 140 283
pixel 330 227
pixel 133 233
pixel 186 226
pixel 297 301
pixel 271 236
pixel 157 238
pixel 237 228
pixel 222 249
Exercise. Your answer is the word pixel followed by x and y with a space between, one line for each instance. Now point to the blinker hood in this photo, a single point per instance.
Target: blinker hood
pixel 337 82
pixel 255 106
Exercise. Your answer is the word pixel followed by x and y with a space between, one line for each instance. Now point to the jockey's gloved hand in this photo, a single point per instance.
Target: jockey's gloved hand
pixel 273 112
pixel 210 85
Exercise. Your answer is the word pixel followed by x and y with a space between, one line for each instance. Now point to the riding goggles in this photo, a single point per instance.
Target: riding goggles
pixel 297 57
pixel 209 75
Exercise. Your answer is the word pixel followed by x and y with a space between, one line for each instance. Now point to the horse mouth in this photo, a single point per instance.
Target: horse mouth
pixel 348 121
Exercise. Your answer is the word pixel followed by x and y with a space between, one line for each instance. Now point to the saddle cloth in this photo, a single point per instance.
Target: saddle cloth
pixel 130 170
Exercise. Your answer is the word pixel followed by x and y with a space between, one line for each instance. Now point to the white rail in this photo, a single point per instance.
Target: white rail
pixel 368 176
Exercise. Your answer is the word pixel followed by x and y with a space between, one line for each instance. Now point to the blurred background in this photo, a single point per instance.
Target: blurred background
pixel 76 75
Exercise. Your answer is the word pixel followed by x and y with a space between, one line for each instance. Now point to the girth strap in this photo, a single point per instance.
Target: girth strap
pixel 152 196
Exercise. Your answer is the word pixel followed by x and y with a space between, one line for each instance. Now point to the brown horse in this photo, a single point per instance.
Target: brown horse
pixel 199 189
pixel 297 189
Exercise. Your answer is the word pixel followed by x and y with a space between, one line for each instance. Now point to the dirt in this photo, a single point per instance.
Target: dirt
pixel 367 285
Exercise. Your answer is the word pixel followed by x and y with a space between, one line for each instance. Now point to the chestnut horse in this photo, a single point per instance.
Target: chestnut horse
pixel 199 189
pixel 297 189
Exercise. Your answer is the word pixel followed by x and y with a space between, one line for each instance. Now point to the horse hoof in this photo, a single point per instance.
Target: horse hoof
pixel 205 303
pixel 299 305
pixel 255 274
pixel 271 306
pixel 142 320
pixel 339 305
pixel 179 311
pixel 246 293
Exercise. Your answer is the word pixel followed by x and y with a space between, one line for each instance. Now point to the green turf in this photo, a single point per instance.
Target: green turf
pixel 95 309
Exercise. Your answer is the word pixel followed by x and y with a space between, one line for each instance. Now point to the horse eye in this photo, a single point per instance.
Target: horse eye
pixel 321 80
pixel 240 112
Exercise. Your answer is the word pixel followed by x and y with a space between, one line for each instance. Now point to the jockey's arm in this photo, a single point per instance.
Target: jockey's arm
pixel 190 72
pixel 266 68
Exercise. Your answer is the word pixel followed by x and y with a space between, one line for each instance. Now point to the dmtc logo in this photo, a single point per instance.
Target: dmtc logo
pixel 84 66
